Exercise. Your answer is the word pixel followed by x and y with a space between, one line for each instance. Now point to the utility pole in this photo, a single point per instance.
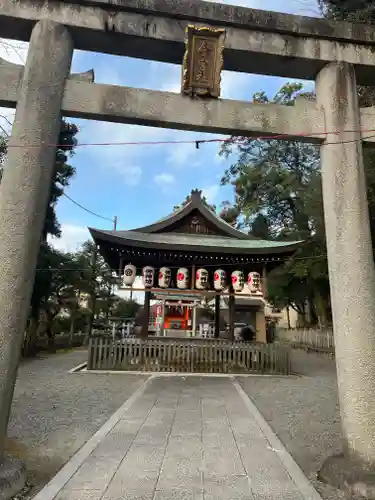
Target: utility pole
pixel 115 223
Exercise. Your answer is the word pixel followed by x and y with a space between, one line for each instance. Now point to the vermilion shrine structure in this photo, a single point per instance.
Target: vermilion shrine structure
pixel 192 239
pixel 337 56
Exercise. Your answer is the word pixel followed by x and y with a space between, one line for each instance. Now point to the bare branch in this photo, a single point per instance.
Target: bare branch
pixel 14 52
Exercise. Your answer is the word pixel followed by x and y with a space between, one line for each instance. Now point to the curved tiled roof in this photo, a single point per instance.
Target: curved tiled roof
pixel 195 203
pixel 159 235
pixel 193 242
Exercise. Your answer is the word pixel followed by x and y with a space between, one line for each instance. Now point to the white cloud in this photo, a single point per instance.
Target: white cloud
pixel 185 153
pixel 119 157
pixel 131 174
pixel 164 178
pixel 123 159
pixel 71 239
pixel 211 192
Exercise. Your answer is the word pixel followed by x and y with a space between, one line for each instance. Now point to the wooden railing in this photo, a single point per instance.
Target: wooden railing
pixel 187 355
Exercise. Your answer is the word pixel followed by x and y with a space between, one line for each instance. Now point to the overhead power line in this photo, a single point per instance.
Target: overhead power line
pixel 198 142
pixel 89 211
pixel 69 198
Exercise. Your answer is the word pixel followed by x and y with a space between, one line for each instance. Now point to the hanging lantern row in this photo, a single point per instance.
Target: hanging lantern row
pixel 182 278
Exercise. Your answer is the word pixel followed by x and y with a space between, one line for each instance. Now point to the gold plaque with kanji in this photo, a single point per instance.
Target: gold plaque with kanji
pixel 203 61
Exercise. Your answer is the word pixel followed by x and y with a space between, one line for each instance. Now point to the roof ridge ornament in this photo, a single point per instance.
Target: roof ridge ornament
pixel 196 194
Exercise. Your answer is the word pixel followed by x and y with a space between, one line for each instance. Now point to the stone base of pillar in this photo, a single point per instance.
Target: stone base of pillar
pixel 12 478
pixel 354 477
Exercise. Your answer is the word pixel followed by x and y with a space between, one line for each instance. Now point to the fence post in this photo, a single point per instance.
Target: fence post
pixel 90 354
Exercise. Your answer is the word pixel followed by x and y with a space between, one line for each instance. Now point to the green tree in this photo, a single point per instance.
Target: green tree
pixel 349 10
pixel 125 308
pixel 63 173
pixel 61 295
pixel 260 228
pixel 98 282
pixel 278 196
pixel 230 214
pixel 54 290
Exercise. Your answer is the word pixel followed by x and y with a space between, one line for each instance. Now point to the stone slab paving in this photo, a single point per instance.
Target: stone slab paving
pixel 188 438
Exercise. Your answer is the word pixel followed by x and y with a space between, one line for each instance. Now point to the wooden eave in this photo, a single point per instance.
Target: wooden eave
pixel 169 242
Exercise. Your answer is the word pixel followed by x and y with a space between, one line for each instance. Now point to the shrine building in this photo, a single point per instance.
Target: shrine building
pixel 192 257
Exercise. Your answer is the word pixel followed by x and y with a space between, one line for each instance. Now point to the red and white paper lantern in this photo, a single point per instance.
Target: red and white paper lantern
pixel 238 281
pixel 182 278
pixel 253 281
pixel 164 277
pixel 201 279
pixel 130 273
pixel 219 279
pixel 148 274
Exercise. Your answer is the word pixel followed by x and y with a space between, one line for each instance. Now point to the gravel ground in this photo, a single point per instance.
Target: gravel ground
pixel 304 413
pixel 55 412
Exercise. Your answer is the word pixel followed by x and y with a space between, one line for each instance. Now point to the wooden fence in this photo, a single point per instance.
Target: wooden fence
pixel 187 355
pixel 320 339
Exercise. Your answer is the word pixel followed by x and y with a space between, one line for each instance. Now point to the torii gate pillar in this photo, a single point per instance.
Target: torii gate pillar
pixel 351 269
pixel 25 189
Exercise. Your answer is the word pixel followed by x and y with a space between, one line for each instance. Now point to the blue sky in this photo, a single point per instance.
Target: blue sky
pixel 140 184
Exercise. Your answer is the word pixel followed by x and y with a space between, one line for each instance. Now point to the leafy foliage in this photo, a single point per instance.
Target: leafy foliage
pixel 350 10
pixel 126 308
pixel 230 213
pixel 278 195
pixel 73 289
pixel 62 176
pixel 44 285
pixel 63 173
pixel 97 280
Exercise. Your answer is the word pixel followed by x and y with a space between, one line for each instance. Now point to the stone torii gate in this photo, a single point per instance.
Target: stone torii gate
pixel 336 55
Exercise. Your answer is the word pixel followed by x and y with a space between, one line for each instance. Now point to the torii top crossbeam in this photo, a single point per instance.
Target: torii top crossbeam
pixel 256 41
pixel 241 17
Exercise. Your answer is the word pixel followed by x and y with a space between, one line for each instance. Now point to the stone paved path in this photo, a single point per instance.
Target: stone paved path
pixel 185 438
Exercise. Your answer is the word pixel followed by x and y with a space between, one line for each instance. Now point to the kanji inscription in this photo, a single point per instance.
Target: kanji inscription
pixel 203 61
